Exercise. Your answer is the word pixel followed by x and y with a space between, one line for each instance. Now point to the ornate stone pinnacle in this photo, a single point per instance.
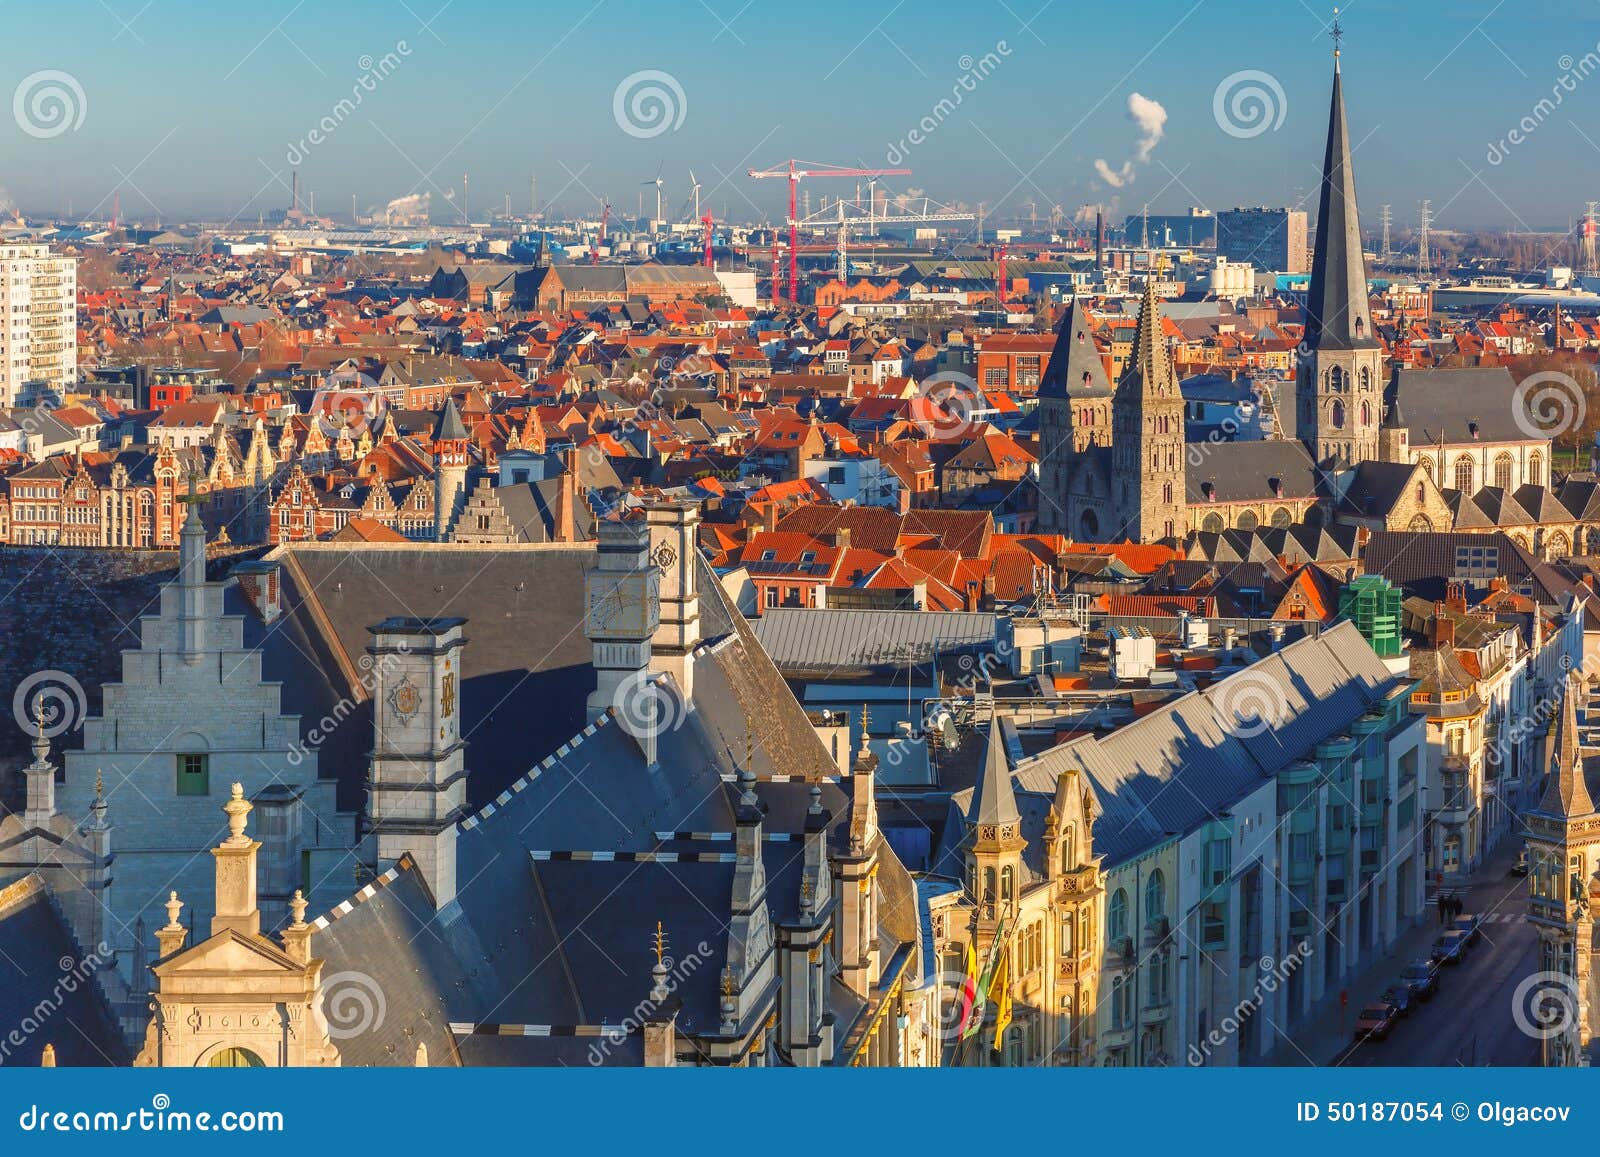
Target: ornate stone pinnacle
pixel 238 808
pixel 174 906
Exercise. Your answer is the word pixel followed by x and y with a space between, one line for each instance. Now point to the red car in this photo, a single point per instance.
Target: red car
pixel 1375 1022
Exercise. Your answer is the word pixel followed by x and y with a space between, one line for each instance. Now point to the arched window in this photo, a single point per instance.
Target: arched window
pixel 1069 850
pixel 1117 915
pixel 1420 524
pixel 1536 469
pixel 1336 416
pixel 236 1059
pixel 1155 896
pixel 1336 380
pixel 1427 468
pixel 1068 940
pixel 1212 524
pixel 1422 493
pixel 1007 884
pixel 1281 517
pixel 1166 492
pixel 988 885
pixel 1464 474
pixel 1248 520
pixel 1502 471
pixel 1366 413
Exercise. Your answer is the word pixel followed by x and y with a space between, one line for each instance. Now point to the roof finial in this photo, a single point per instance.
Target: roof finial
pixel 1336 31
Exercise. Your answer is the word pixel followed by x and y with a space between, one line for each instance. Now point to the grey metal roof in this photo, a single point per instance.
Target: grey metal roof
pixel 1458 405
pixel 807 639
pixel 1243 471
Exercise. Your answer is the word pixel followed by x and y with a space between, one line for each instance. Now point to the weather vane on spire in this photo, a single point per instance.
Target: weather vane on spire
pixel 1336 31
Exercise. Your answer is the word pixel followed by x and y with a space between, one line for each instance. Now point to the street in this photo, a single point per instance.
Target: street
pixel 1469 1020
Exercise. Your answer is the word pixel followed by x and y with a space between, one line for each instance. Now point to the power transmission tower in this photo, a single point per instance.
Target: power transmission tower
pixel 1385 253
pixel 1423 266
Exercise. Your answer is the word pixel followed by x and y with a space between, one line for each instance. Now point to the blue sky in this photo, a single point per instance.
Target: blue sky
pixel 192 108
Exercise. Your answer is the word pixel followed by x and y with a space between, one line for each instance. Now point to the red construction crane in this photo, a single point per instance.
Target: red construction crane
pixel 1000 274
pixel 707 223
pixel 794 170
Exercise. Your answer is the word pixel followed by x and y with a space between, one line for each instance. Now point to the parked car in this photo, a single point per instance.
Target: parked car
pixel 1450 947
pixel 1400 998
pixel 1471 925
pixel 1376 1021
pixel 1520 868
pixel 1422 977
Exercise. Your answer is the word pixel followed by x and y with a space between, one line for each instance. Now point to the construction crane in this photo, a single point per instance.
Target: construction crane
pixel 793 171
pixel 707 223
pixel 1000 274
pixel 862 214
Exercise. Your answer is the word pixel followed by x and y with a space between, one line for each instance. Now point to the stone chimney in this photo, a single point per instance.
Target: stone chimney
pixel 418 792
pixel 623 611
pixel 566 520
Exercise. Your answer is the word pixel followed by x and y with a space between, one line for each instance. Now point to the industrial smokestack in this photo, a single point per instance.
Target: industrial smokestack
pixel 1099 239
pixel 294 195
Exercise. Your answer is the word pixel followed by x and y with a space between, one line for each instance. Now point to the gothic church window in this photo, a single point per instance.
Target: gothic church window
pixel 1502 471
pixel 1464 475
pixel 1337 414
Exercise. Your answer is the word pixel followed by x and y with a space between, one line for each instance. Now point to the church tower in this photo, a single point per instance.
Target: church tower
pixel 450 470
pixel 1074 413
pixel 1147 448
pixel 1339 387
pixel 1564 886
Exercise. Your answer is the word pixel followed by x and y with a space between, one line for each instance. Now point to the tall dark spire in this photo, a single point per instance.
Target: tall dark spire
pixel 1336 308
pixel 994 802
pixel 1565 794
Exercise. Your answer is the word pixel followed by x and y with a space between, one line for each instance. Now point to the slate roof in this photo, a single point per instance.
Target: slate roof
pixel 1459 405
pixel 1075 369
pixel 1243 471
pixel 36 941
pixel 804 639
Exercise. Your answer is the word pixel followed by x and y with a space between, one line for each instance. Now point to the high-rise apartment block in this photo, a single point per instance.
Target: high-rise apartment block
pixel 38 321
pixel 1273 239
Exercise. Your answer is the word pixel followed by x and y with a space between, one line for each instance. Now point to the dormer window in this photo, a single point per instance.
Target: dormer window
pixel 769 556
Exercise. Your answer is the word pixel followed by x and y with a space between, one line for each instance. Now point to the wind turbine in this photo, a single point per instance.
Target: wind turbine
pixel 694 196
pixel 657 182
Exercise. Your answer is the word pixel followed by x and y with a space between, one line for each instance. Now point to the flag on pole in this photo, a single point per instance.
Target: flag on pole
pixel 1000 994
pixel 969 991
pixel 985 982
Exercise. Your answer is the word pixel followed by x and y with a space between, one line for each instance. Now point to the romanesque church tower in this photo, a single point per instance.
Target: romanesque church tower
pixel 1339 389
pixel 1147 447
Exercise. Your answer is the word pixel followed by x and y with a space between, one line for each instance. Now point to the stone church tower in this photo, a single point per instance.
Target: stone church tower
pixel 1074 414
pixel 450 461
pixel 1147 446
pixel 1563 889
pixel 1339 389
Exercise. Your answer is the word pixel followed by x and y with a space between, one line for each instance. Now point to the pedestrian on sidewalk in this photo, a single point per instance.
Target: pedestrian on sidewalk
pixel 1444 902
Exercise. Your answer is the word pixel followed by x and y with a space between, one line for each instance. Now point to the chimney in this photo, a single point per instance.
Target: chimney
pixel 566 524
pixel 258 582
pixel 622 616
pixel 1444 627
pixel 419 777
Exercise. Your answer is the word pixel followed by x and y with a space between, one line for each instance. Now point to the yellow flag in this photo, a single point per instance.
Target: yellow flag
pixel 1000 993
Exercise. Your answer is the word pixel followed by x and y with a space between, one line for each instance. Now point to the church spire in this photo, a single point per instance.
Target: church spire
pixel 995 801
pixel 1336 307
pixel 1566 795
